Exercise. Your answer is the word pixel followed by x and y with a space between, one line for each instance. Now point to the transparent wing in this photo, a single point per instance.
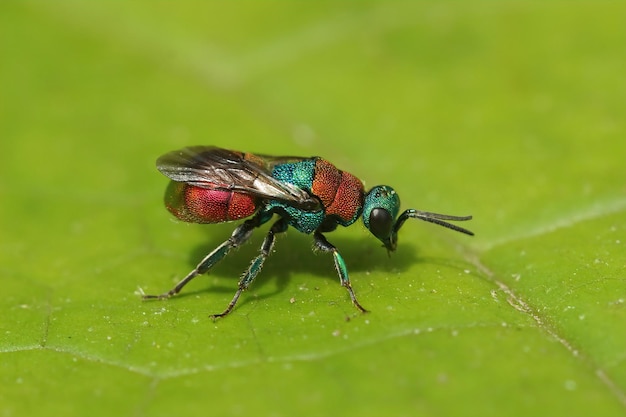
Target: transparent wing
pixel 223 169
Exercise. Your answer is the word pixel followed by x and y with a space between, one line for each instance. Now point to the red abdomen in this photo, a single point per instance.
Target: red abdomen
pixel 202 205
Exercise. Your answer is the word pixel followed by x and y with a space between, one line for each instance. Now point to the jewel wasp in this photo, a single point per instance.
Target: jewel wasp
pixel 214 185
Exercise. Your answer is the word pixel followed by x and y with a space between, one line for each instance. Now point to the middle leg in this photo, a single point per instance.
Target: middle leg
pixel 255 266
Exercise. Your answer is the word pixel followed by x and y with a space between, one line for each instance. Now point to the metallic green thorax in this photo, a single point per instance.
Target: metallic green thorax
pixel 340 195
pixel 300 174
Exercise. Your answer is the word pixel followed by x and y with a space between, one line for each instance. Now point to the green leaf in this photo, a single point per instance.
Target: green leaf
pixel 509 111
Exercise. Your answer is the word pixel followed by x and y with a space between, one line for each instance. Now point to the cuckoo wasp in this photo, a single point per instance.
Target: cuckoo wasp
pixel 214 185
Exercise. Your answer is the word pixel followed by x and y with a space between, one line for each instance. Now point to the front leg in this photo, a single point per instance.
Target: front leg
pixel 322 244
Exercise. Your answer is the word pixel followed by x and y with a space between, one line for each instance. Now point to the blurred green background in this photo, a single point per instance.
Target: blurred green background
pixel 510 111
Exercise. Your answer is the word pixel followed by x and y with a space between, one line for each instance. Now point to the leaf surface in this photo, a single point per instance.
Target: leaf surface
pixel 509 111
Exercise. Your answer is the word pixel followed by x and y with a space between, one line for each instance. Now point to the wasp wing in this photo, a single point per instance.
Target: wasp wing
pixel 223 169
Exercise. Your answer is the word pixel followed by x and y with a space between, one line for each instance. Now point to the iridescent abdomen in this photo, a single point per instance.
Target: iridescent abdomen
pixel 202 205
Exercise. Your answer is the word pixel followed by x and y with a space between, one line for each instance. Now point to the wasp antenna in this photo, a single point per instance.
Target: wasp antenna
pixel 435 218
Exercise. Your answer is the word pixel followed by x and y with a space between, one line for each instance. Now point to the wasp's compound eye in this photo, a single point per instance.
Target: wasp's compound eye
pixel 380 223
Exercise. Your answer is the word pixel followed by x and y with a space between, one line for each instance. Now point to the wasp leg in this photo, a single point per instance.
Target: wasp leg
pixel 322 244
pixel 240 236
pixel 255 266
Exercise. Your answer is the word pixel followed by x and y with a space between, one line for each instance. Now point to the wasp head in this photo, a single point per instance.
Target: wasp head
pixel 380 216
pixel 380 209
